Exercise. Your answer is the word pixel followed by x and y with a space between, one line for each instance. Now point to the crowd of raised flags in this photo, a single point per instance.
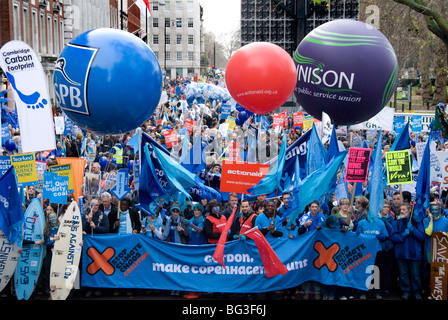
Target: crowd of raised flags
pixel 179 153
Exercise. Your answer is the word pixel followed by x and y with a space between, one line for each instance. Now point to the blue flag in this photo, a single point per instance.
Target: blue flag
pixel 271 181
pixel 11 210
pixel 179 178
pixel 316 154
pixel 402 141
pixel 315 186
pixel 376 194
pixel 423 186
pixel 193 160
pixel 333 147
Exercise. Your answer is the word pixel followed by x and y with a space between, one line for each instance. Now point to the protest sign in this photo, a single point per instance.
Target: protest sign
pixel 5 164
pixel 240 176
pixel 231 122
pixel 357 165
pixel 297 118
pixel 234 152
pixel 225 111
pixel 25 168
pixel 41 167
pixel 59 125
pixel 59 190
pixel 6 135
pixel 398 165
pixel 55 188
pixel 189 125
pixel 308 122
pixel 170 138
pixel 439 266
pixel 64 170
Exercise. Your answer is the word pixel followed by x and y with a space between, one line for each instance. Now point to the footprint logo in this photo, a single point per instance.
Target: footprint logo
pixel 60 65
pixel 33 101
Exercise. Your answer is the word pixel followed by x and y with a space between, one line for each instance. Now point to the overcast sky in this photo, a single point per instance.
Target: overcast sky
pixel 221 16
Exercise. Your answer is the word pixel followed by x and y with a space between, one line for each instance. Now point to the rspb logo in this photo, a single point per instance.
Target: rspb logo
pixel 71 76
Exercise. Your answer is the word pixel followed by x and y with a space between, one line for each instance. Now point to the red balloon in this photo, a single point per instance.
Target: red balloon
pixel 261 76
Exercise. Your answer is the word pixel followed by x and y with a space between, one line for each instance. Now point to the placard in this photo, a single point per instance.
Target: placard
pixel 357 164
pixel 398 165
pixel 297 118
pixel 240 176
pixel 439 266
pixel 64 170
pixel 170 138
pixel 189 125
pixel 25 168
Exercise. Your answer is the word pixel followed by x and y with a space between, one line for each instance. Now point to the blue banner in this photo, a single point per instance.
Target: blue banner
pixel 136 261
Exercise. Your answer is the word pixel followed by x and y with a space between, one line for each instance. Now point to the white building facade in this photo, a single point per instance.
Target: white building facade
pixel 174 34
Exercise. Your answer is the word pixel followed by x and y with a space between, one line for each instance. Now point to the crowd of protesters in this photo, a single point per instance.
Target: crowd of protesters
pixel 403 260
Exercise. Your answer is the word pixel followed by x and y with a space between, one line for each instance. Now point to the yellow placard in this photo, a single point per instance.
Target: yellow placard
pixel 231 122
pixel 25 168
pixel 307 122
pixel 64 170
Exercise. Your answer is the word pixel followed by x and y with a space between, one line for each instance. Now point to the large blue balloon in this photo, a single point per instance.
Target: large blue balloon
pixel 10 144
pixel 103 162
pixel 107 81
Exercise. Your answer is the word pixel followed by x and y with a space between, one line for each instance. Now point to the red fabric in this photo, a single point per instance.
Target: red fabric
pixel 271 263
pixel 218 255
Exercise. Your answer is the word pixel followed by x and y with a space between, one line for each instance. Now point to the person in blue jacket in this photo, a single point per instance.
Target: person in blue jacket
pixel 373 225
pixel 196 226
pixel 408 237
pixel 268 222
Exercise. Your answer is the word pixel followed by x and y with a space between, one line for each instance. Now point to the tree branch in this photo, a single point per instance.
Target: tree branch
pixel 436 22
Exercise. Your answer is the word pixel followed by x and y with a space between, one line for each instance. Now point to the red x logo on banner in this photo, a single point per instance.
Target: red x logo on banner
pixel 326 256
pixel 100 261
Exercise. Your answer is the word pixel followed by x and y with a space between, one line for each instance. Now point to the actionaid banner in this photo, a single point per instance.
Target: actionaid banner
pixel 29 86
pixel 136 261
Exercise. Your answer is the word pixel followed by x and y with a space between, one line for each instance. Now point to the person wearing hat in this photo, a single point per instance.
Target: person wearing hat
pixel 196 226
pixel 175 229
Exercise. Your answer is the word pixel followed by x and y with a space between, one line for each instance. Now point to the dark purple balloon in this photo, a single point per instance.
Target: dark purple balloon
pixel 347 69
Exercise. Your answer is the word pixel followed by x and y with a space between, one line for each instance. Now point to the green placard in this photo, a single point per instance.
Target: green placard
pixel 398 167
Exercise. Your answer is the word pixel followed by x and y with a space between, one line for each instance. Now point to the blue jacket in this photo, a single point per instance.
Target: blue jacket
pixel 408 240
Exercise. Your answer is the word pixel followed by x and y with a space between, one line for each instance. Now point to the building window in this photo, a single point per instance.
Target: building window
pixel 56 34
pixel 49 35
pixel 26 24
pixel 190 56
pixel 35 30
pixel 178 5
pixel 156 53
pixel 190 6
pixel 43 34
pixel 179 39
pixel 190 39
pixel 155 22
pixel 179 55
pixel 167 55
pixel 167 39
pixel 155 39
pixel 155 6
pixel 179 22
pixel 17 22
pixel 167 22
pixel 61 34
pixel 167 6
pixel 190 23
